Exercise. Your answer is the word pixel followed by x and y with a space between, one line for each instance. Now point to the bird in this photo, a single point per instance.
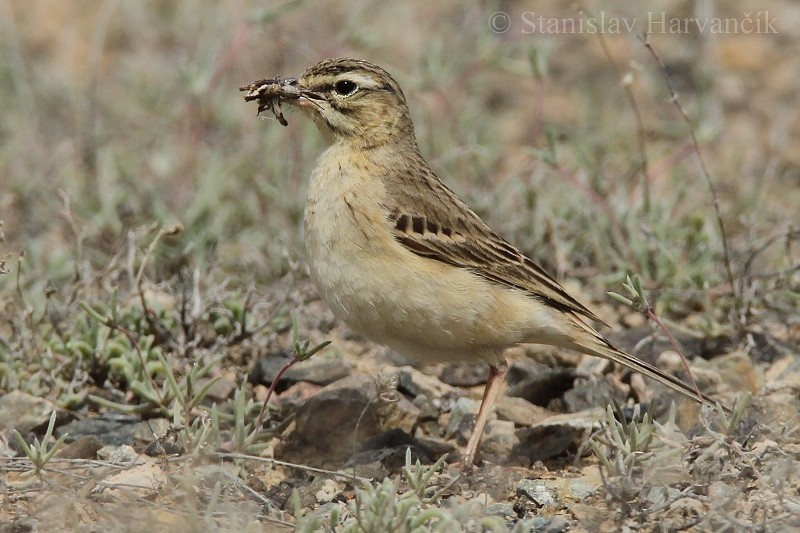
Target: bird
pixel 402 260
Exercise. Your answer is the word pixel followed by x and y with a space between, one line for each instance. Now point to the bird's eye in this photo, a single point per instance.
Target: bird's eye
pixel 345 87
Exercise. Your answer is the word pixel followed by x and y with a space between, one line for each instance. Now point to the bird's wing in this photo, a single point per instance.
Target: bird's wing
pixel 431 221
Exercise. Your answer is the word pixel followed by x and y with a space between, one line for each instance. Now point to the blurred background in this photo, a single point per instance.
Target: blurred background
pixel 118 115
pixel 151 239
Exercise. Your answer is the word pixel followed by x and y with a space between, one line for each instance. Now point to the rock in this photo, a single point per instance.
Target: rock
pixel 503 510
pixel 576 489
pixel 464 374
pixel 588 516
pixel 297 394
pixel 397 412
pixel 45 510
pixel 328 490
pixel 428 410
pixel 118 455
pixel 662 495
pixel 590 393
pixel 110 430
pixel 83 448
pixel 555 435
pixel 720 491
pixel 592 366
pixel 387 451
pixel 524 369
pixel 519 411
pixel 669 360
pixel 141 481
pixel 428 416
pixel 321 490
pixel 26 413
pixel 221 390
pixel 436 446
pixel 584 420
pixel 334 423
pixel 322 369
pixel 498 441
pixel 153 428
pixel 783 373
pixel 557 524
pixel 25 524
pixel 535 491
pixel 370 470
pixel 415 383
pixel 462 420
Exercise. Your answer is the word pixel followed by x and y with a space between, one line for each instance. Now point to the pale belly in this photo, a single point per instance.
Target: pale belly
pixel 420 307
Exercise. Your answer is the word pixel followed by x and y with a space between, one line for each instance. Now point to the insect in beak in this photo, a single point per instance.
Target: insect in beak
pixel 270 93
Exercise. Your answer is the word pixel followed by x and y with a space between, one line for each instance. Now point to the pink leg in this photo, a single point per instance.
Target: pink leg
pixel 496 376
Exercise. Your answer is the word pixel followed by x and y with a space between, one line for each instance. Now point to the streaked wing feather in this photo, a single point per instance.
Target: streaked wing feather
pixel 442 227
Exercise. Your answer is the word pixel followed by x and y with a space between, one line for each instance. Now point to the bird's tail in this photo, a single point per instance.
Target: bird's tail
pixel 594 344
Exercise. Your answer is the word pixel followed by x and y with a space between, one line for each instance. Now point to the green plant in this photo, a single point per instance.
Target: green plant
pixel 302 351
pixel 38 452
pixel 638 300
pixel 408 504
pixel 729 422
pixel 628 441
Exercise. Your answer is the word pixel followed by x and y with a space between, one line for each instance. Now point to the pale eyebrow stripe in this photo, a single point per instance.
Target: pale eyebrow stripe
pixel 361 80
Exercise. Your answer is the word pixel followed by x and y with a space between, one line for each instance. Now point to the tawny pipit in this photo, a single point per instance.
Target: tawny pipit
pixel 401 259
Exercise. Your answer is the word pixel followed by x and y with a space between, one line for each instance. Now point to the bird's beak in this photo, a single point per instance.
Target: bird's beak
pixel 301 96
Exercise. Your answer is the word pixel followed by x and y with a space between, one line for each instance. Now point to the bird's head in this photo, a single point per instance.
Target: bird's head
pixel 351 101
